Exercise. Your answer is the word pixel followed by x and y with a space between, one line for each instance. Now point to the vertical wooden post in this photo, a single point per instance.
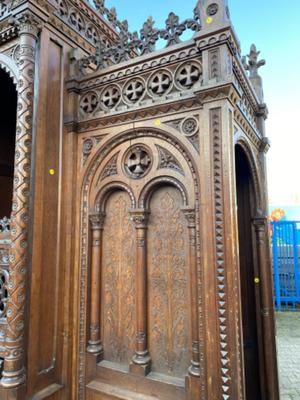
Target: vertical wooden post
pixel 263 252
pixel 194 368
pixel 14 372
pixel 141 361
pixel 95 345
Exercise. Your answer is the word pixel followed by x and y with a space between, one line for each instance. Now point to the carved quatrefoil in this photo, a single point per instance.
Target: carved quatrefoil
pixel 110 96
pixel 134 90
pixel 160 83
pixel 137 161
pixel 188 74
pixel 89 103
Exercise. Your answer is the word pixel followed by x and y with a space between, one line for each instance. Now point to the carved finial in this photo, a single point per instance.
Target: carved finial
pixel 213 13
pixel 100 6
pixel 253 65
pixel 173 31
pixel 149 36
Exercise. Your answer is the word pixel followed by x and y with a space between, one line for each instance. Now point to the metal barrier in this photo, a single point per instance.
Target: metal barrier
pixel 286 264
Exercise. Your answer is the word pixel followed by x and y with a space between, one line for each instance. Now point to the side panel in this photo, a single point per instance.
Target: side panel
pixel 46 323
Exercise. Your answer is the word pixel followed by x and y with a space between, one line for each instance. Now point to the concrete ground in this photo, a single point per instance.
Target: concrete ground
pixel 288 345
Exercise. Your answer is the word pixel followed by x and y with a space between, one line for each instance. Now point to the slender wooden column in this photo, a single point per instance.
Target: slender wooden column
pixel 141 361
pixel 95 345
pixel 194 368
pixel 14 372
pixel 265 280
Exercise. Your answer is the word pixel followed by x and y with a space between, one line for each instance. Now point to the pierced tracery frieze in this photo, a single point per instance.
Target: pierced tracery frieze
pixel 82 20
pixel 146 90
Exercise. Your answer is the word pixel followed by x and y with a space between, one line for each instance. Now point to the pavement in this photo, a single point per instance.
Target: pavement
pixel 288 347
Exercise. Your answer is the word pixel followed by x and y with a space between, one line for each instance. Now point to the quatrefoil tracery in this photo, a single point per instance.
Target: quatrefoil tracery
pixel 188 74
pixel 134 90
pixel 110 97
pixel 160 83
pixel 137 161
pixel 89 103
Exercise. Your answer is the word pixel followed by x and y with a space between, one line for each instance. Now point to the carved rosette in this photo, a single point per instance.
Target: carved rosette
pixel 14 373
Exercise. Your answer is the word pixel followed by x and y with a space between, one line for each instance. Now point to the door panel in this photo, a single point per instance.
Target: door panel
pixel 247 273
pixel 118 281
pixel 168 284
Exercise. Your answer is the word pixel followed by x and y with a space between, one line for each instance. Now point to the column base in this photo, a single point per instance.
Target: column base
pixel 96 349
pixel 13 379
pixel 142 370
pixel 141 364
pixel 193 387
pixel 194 369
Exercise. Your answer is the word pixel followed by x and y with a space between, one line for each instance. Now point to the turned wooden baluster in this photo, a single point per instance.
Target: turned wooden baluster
pixel 14 373
pixel 194 368
pixel 95 345
pixel 141 361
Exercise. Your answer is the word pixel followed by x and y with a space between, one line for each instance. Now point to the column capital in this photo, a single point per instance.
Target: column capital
pixel 260 222
pixel 97 220
pixel 140 218
pixel 190 215
pixel 28 24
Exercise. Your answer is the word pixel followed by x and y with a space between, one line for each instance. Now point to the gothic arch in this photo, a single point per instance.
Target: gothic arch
pixel 105 192
pixel 192 199
pixel 9 66
pixel 150 187
pixel 241 140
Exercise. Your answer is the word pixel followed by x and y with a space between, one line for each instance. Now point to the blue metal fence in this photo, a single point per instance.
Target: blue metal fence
pixel 286 264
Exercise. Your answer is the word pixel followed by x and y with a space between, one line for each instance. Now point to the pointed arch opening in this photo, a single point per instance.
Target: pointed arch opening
pixel 250 295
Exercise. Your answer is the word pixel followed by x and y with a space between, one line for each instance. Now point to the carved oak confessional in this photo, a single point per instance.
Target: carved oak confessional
pixel 134 241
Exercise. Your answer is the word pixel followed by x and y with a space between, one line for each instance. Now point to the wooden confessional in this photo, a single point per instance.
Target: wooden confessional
pixel 134 253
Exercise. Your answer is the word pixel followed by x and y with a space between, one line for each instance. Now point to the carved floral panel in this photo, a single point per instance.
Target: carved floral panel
pixel 118 280
pixel 168 284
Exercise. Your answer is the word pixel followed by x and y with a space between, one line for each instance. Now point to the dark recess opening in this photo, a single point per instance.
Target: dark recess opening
pixel 246 207
pixel 8 107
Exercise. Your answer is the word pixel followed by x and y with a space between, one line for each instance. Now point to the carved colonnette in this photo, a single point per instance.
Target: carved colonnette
pixel 147 128
pixel 14 373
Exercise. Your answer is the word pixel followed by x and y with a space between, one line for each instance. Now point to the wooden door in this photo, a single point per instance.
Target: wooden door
pixel 144 276
pixel 248 273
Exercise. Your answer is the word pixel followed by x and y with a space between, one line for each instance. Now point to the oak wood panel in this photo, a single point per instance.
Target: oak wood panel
pixel 46 285
pixel 168 302
pixel 118 281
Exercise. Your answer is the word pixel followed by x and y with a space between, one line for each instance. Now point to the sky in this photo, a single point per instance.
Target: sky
pixel 274 27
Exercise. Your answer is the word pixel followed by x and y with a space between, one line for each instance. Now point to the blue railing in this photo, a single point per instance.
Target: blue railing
pixel 286 264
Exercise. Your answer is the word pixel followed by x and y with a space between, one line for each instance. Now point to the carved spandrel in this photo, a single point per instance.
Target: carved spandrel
pixel 118 280
pixel 168 284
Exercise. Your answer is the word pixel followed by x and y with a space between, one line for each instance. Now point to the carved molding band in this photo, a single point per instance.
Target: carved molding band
pixel 162 84
pixel 224 362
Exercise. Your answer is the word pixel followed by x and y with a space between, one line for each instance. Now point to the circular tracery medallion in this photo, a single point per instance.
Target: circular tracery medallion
pixel 212 9
pixel 137 161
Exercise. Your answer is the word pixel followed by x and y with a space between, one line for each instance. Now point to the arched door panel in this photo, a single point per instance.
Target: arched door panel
pixel 168 284
pixel 118 280
pixel 144 254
